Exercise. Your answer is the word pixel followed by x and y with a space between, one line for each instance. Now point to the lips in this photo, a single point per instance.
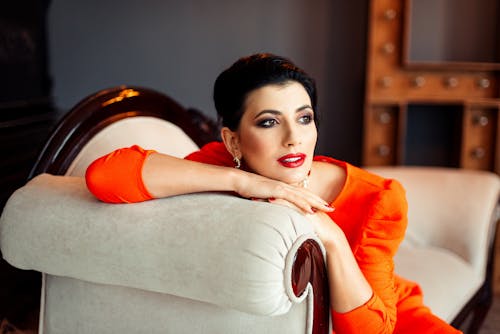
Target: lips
pixel 292 160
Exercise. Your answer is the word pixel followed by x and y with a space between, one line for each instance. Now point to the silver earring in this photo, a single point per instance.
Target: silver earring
pixel 305 182
pixel 237 162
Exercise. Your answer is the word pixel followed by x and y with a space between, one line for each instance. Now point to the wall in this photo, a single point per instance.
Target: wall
pixel 179 47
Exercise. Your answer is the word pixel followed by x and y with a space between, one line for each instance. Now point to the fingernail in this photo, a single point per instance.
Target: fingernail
pixel 329 206
pixel 270 199
pixel 314 210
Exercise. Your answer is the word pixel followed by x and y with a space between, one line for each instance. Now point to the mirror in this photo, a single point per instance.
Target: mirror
pixel 452 33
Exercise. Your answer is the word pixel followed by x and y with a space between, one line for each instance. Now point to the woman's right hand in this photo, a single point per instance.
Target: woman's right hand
pixel 250 185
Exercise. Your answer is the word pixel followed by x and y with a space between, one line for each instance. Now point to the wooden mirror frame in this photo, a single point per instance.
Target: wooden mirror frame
pixel 441 65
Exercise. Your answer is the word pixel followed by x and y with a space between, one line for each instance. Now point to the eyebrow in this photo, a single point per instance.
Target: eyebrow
pixel 277 112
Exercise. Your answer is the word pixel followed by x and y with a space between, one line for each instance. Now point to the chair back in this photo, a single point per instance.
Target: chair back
pixel 120 117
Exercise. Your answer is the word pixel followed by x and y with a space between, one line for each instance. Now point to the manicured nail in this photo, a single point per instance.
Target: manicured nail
pixel 330 207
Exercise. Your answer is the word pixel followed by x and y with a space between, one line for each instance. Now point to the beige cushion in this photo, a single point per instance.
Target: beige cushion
pixel 76 306
pixel 447 281
pixel 236 254
pixel 148 132
pixel 449 208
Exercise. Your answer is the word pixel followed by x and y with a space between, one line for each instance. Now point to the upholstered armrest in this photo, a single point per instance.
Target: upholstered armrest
pixel 453 209
pixel 210 247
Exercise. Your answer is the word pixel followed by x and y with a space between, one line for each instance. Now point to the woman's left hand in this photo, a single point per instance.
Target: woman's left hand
pixel 326 229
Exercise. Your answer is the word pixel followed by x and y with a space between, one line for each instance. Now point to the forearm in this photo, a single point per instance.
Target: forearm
pixel 133 175
pixel 165 176
pixel 349 288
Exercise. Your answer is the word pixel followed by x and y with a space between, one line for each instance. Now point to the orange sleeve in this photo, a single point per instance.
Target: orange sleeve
pixel 213 153
pixel 117 176
pixel 383 231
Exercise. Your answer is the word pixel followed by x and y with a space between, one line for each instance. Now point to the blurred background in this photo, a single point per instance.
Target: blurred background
pixel 385 95
pixel 179 47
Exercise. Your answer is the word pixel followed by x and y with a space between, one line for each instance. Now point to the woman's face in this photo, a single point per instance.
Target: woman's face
pixel 277 134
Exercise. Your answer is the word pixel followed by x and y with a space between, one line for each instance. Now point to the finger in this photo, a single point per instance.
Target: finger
pixel 313 202
pixel 289 204
pixel 305 203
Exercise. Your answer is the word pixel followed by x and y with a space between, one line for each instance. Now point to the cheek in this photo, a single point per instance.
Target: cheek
pixel 253 144
pixel 311 138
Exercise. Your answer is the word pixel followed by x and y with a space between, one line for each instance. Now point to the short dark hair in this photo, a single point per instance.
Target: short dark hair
pixel 234 84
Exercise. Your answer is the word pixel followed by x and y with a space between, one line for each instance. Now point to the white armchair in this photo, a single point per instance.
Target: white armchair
pixel 199 263
pixel 213 263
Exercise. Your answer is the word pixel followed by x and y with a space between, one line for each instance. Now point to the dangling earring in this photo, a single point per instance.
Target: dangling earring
pixel 305 182
pixel 237 162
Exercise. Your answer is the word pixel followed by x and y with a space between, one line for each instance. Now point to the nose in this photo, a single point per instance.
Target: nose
pixel 292 136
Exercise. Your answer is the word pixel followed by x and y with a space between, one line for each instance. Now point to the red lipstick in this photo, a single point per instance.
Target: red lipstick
pixel 292 160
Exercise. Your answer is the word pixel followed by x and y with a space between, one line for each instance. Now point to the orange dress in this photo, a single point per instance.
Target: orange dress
pixel 370 210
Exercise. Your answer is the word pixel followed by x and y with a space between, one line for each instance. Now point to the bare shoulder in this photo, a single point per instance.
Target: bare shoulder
pixel 327 179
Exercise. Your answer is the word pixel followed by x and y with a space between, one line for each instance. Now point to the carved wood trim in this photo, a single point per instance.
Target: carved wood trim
pixel 309 268
pixel 107 106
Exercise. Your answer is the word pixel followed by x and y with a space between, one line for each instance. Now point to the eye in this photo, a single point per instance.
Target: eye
pixel 267 123
pixel 306 119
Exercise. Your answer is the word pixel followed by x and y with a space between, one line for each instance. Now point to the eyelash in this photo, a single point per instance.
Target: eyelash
pixel 266 123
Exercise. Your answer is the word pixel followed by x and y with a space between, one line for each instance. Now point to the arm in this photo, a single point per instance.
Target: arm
pixel 362 284
pixel 349 288
pixel 133 175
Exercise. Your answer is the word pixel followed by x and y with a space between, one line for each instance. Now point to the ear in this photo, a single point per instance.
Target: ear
pixel 231 141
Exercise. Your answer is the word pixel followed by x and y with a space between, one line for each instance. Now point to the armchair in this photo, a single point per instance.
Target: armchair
pixel 213 263
pixel 203 263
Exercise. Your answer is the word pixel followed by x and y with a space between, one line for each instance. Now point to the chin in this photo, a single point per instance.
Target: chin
pixel 287 176
pixel 296 179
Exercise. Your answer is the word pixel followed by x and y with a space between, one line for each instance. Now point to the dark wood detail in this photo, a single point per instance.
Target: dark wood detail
pixel 105 107
pixel 309 268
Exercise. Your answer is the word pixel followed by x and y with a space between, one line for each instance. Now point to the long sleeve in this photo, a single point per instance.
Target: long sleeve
pixel 372 212
pixel 117 176
pixel 382 232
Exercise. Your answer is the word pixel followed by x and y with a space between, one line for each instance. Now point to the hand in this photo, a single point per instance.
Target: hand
pixel 325 228
pixel 252 185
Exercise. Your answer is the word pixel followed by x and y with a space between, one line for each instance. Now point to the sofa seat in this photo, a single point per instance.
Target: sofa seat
pixel 452 220
pixel 452 279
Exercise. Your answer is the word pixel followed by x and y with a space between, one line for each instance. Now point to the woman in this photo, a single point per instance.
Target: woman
pixel 268 111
